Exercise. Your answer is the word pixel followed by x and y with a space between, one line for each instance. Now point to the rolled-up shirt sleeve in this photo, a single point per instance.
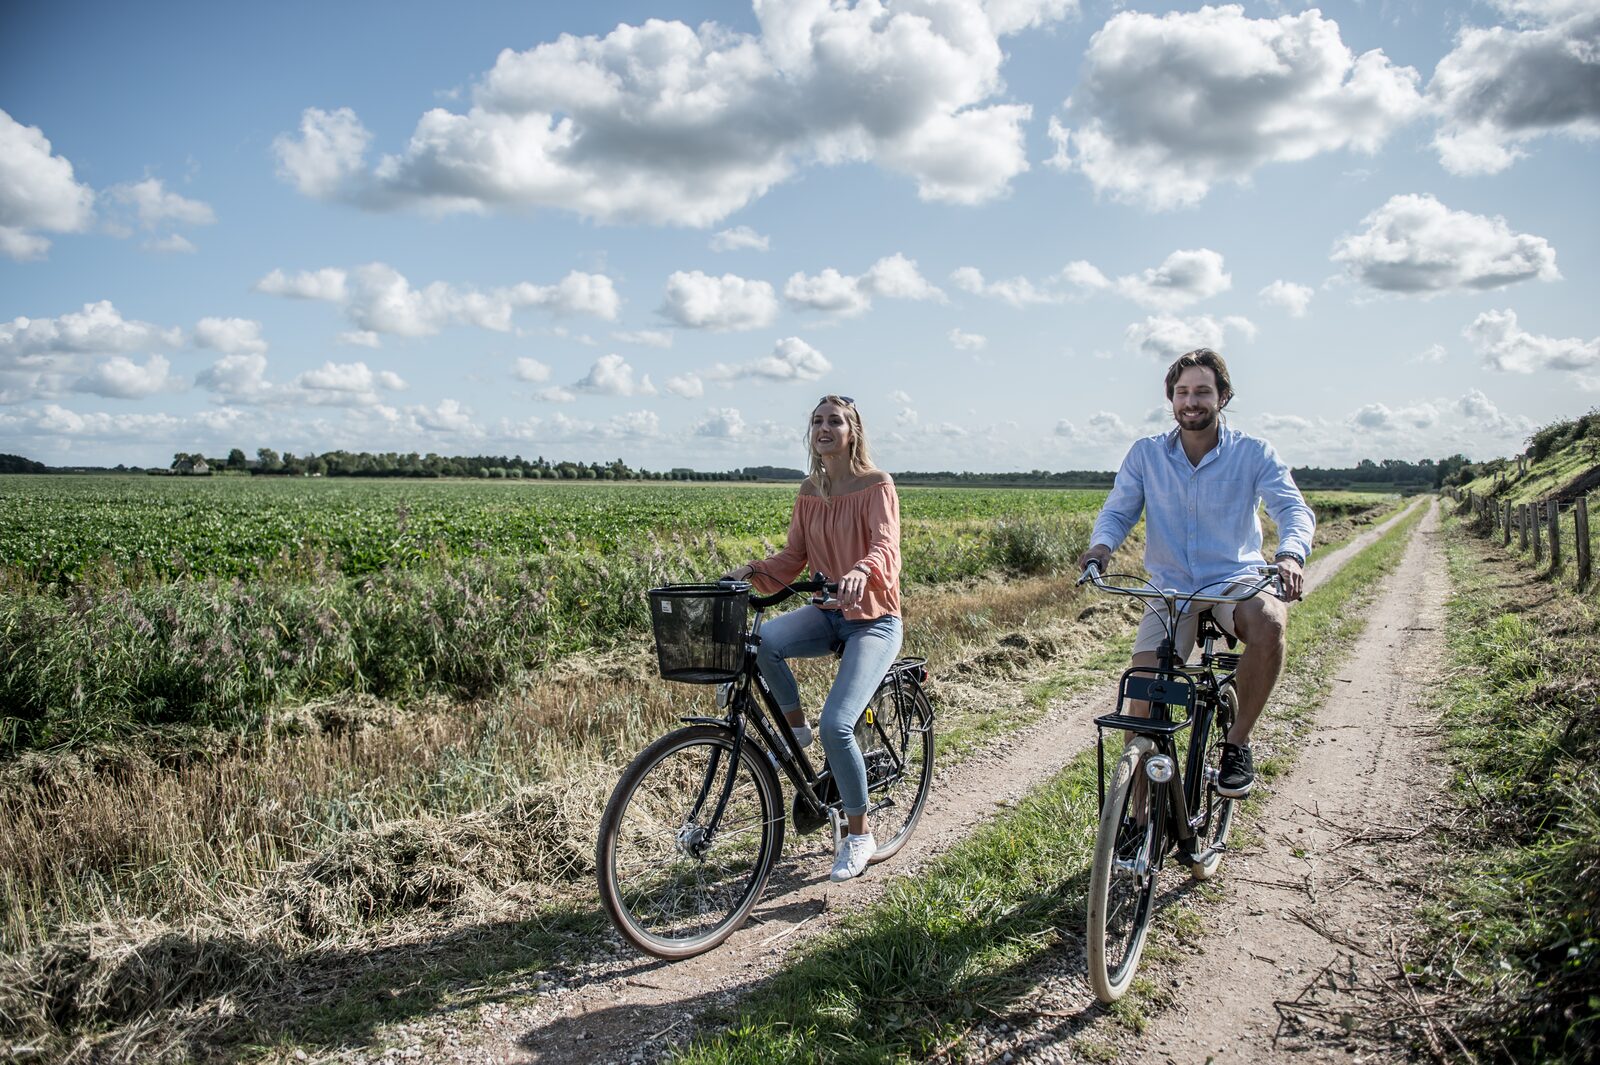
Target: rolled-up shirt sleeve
pixel 771 574
pixel 1285 505
pixel 1123 506
pixel 882 519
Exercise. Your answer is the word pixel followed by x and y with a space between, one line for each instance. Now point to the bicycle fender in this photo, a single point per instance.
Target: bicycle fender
pixel 704 721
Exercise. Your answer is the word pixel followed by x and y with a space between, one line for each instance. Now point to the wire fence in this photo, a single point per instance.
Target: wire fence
pixel 1555 536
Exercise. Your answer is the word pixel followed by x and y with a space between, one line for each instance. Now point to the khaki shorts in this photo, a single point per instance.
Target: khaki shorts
pixel 1153 627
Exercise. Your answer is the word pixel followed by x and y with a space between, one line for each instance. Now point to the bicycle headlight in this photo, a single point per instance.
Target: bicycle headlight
pixel 1159 768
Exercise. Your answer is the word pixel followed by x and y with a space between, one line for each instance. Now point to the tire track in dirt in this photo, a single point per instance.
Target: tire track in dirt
pixel 628 1008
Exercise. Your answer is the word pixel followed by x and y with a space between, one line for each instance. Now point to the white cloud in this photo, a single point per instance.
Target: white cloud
pixel 1480 410
pixel 1379 418
pixel 556 394
pixel 229 335
pixel 967 341
pixel 238 377
pixel 792 359
pixel 325 284
pixel 1171 105
pixel 650 338
pixel 630 425
pixel 1415 244
pixel 172 244
pixel 1184 277
pixel 891 277
pixel 450 416
pixel 527 369
pixel 54 420
pixel 37 191
pixel 1432 356
pixel 830 292
pixel 686 386
pixel 720 304
pixel 377 298
pixel 155 208
pixel 739 238
pixel 899 398
pixel 1273 423
pixel 328 153
pixel 612 376
pixel 360 338
pixel 1014 16
pixel 119 377
pixel 1164 337
pixel 1507 347
pixel 721 423
pixel 1292 297
pixel 666 123
pixel 351 377
pixel 97 329
pixel 1502 87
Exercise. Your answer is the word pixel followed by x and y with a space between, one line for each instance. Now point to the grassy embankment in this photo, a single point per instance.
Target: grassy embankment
pixel 337 860
pixel 906 978
pixel 1513 958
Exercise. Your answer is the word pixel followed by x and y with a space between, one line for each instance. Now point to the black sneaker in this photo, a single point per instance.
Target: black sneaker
pixel 1238 774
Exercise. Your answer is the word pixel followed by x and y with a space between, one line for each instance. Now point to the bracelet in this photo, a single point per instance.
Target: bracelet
pixel 1281 555
pixel 864 570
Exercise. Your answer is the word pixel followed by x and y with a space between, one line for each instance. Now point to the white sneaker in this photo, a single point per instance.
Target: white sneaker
pixel 802 735
pixel 854 854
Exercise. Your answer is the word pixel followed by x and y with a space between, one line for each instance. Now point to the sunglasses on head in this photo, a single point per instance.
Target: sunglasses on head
pixel 830 399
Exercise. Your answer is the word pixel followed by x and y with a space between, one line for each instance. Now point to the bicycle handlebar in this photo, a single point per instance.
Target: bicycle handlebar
pixel 817 583
pixel 1170 596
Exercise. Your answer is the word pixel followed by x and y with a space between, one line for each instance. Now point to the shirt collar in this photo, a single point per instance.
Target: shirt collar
pixel 1225 437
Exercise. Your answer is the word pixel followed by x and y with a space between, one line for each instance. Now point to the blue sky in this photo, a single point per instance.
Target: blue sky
pixel 658 231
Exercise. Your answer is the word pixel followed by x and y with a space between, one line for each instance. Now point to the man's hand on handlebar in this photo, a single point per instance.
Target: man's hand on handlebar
pixel 1291 579
pixel 1099 554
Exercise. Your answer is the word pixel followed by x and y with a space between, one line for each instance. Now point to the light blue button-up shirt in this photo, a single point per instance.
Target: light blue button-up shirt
pixel 1200 520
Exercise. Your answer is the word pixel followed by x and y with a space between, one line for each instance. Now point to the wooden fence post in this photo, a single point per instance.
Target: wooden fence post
pixel 1538 535
pixel 1580 521
pixel 1522 527
pixel 1507 541
pixel 1554 511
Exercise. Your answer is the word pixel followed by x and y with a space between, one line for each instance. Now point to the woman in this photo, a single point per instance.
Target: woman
pixel 846 524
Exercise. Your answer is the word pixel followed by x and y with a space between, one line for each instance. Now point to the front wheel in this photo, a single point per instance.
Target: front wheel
pixel 1122 880
pixel 897 746
pixel 687 841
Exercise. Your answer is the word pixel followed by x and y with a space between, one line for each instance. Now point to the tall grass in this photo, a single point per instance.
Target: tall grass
pixel 1521 907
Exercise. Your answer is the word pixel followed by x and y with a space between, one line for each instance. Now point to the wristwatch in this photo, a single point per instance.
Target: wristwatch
pixel 1281 555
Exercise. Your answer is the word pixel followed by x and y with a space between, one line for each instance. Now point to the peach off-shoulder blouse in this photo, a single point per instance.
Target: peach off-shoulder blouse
pixel 834 534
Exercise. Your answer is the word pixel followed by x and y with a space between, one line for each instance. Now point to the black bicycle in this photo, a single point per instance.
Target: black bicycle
pixel 695 824
pixel 1162 794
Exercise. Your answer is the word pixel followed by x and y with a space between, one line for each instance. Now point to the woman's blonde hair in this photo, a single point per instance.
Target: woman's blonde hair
pixel 860 453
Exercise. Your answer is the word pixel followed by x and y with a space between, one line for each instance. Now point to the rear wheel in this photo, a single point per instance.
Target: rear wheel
pixel 1218 820
pixel 897 746
pixel 1122 880
pixel 677 878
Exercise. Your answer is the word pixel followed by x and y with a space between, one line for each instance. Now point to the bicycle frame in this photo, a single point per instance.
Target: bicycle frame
pixel 774 731
pixel 1172 685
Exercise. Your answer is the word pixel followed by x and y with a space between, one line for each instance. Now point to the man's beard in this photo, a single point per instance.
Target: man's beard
pixel 1208 419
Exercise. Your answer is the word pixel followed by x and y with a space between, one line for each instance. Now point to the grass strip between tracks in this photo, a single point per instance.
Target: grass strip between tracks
pixel 907 977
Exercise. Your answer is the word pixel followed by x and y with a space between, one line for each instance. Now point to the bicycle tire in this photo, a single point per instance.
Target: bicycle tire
pixel 897 784
pixel 668 890
pixel 1218 824
pixel 1121 899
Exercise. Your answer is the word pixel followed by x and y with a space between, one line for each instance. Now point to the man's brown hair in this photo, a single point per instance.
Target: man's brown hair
pixel 1209 359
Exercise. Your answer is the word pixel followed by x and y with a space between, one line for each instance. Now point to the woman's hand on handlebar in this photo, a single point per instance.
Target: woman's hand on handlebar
pixel 741 573
pixel 851 588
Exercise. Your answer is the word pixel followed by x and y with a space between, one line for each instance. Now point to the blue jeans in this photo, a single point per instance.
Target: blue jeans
pixel 870 647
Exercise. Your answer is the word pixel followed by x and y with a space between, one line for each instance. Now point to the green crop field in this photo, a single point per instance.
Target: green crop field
pixel 126 529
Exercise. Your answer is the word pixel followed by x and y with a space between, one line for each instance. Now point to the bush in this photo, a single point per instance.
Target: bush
pixel 1033 546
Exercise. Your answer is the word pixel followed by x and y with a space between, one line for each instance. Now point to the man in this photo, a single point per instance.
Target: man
pixel 1198 486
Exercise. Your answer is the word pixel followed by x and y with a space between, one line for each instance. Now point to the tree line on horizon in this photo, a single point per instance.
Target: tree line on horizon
pixel 1387 473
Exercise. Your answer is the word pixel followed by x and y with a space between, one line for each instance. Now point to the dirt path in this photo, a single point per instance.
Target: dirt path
pixel 628 1008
